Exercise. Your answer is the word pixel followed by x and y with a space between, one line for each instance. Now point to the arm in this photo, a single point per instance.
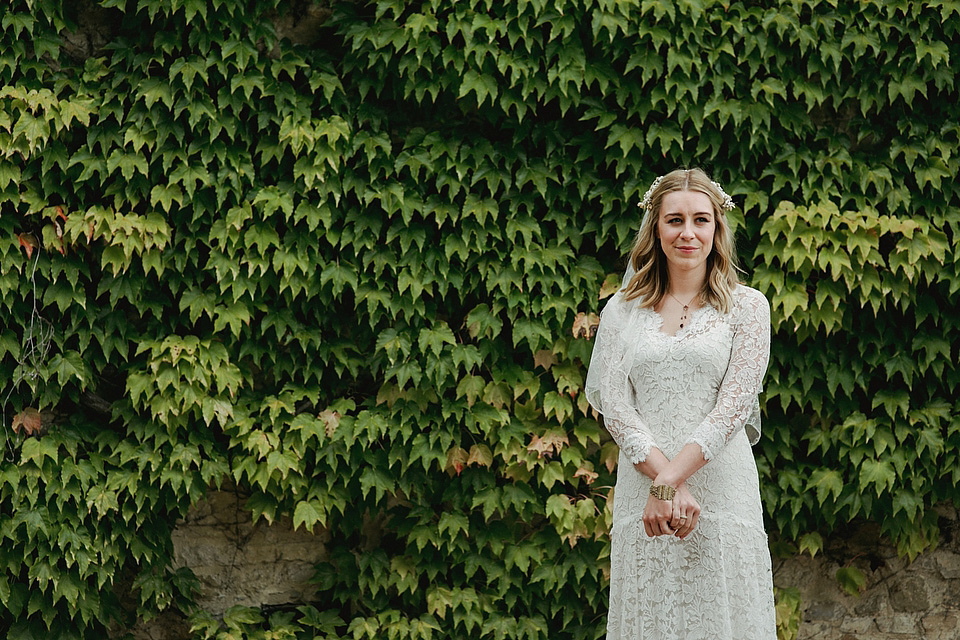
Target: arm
pixel 737 395
pixel 608 386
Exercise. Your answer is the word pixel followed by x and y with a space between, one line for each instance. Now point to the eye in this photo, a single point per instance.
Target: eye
pixel 703 219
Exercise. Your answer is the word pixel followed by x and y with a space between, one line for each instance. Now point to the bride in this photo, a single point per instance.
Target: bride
pixel 676 370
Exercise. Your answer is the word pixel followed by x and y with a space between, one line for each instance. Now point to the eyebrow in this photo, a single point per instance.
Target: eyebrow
pixel 696 213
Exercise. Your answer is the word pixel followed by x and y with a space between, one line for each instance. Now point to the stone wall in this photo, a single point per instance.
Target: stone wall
pixel 238 562
pixel 241 563
pixel 901 601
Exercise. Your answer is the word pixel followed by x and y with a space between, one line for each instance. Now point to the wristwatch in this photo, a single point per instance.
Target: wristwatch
pixel 662 491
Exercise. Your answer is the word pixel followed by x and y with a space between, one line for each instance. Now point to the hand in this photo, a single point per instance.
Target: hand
pixel 684 504
pixel 657 516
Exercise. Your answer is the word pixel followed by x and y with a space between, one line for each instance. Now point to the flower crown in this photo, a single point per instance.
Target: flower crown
pixel 726 201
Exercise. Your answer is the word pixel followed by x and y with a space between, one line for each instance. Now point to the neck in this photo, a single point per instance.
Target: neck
pixel 687 284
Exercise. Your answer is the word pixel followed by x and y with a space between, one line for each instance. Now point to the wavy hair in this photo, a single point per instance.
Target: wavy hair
pixel 650 263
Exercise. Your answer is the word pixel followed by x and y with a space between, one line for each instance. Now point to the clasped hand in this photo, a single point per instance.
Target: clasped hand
pixel 677 517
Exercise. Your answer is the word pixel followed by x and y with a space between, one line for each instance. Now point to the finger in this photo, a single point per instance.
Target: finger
pixel 648 528
pixel 681 528
pixel 691 525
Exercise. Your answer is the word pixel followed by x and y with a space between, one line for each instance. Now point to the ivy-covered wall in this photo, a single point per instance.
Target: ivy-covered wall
pixel 355 271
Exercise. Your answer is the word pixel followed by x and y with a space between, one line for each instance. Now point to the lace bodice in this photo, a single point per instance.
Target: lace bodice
pixel 716 363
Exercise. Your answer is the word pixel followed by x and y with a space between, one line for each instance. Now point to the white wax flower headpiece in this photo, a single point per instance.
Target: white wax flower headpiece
pixel 726 201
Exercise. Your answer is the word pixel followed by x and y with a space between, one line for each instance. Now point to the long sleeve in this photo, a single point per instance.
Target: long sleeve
pixel 737 405
pixel 608 386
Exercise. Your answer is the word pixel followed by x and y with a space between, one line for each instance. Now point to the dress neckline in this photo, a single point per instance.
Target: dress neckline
pixel 659 320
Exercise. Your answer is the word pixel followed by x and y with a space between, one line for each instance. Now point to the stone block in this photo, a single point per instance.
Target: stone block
pixel 902 623
pixel 825 610
pixel 941 625
pixel 948 564
pixel 857 625
pixel 909 595
pixel 871 604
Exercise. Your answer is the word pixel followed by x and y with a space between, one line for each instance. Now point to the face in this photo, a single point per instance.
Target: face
pixel 685 228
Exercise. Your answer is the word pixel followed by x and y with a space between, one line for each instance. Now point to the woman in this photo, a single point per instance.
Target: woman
pixel 679 357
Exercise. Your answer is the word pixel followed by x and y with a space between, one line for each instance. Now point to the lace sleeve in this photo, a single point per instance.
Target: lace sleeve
pixel 608 386
pixel 737 404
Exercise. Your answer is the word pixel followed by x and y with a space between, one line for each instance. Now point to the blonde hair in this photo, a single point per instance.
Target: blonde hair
pixel 648 260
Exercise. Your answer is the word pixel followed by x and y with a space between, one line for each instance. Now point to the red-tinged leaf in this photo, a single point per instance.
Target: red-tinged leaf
pixel 27 421
pixel 61 214
pixel 544 358
pixel 29 242
pixel 456 460
pixel 587 474
pixel 584 325
pixel 331 420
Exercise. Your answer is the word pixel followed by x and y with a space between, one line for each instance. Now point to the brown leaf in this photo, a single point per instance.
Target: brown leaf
pixel 551 442
pixel 611 284
pixel 29 242
pixel 28 421
pixel 587 474
pixel 544 358
pixel 543 449
pixel 556 439
pixel 584 325
pixel 331 420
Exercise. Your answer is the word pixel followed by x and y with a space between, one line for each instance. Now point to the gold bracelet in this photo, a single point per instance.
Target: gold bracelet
pixel 662 491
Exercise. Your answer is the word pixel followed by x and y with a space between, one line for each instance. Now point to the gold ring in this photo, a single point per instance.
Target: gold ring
pixel 683 517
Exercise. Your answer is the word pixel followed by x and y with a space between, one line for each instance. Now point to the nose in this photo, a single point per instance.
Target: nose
pixel 687 231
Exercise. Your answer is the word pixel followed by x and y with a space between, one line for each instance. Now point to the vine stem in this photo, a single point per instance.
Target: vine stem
pixel 34 349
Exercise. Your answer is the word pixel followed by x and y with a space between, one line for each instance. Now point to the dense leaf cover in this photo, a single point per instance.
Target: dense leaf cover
pixel 356 275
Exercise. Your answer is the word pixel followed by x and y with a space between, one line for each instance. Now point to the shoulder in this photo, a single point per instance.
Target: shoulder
pixel 744 294
pixel 618 309
pixel 750 304
pixel 619 301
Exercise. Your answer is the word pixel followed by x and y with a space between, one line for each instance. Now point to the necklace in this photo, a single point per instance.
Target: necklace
pixel 686 307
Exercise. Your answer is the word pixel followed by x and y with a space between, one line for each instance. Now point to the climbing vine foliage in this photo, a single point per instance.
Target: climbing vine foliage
pixel 347 258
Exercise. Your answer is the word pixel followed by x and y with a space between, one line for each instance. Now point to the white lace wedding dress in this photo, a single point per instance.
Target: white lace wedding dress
pixel 657 390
